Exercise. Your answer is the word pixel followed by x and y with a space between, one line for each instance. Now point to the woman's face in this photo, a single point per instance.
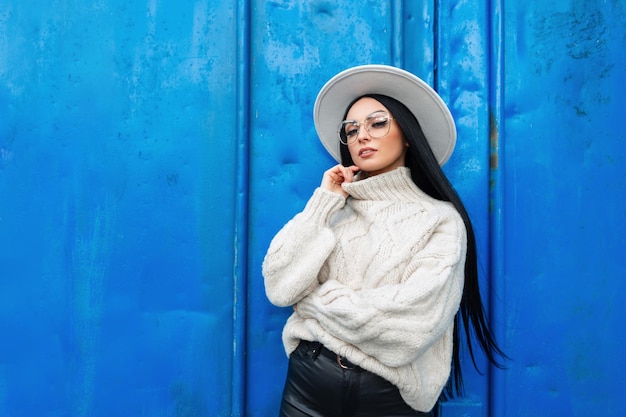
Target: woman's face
pixel 375 155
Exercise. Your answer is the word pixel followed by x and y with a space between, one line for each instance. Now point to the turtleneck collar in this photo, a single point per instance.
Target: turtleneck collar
pixel 395 185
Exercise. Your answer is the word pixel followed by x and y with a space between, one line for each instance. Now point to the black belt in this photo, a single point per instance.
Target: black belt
pixel 317 349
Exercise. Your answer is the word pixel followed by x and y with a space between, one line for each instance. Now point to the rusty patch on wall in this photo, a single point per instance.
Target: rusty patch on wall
pixel 493 141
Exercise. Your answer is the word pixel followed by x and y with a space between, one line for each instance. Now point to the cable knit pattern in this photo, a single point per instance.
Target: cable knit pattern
pixel 377 278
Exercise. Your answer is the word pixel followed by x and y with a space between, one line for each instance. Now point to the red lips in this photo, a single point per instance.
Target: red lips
pixel 367 151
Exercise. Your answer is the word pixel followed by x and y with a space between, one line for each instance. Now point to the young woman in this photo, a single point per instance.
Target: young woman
pixel 381 263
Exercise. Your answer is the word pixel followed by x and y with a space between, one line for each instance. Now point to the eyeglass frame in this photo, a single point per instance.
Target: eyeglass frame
pixel 363 123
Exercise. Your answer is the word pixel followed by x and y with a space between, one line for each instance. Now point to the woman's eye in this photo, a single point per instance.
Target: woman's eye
pixel 351 132
pixel 380 123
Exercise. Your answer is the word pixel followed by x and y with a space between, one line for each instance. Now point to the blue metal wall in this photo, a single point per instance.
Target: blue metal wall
pixel 150 150
pixel 559 217
pixel 117 154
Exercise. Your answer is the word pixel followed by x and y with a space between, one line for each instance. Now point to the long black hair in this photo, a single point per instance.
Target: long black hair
pixel 430 178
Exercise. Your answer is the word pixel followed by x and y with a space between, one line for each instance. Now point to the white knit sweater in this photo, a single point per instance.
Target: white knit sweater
pixel 377 278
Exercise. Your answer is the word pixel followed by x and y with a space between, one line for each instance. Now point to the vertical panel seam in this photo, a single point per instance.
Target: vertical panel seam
pixel 241 209
pixel 436 37
pixel 496 133
pixel 397 33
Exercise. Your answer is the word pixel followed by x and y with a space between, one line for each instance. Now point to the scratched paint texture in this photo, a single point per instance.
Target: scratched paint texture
pixel 564 180
pixel 112 127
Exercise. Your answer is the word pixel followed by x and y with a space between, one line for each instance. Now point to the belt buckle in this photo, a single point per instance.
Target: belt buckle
pixel 341 365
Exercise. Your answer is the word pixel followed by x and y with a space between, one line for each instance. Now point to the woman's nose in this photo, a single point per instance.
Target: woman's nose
pixel 362 134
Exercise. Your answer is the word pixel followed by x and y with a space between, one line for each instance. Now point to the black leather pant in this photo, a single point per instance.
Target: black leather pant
pixel 319 385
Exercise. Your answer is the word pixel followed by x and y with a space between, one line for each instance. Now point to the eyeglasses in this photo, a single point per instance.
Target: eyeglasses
pixel 376 125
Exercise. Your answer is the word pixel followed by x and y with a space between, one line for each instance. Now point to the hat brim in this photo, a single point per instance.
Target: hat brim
pixel 426 105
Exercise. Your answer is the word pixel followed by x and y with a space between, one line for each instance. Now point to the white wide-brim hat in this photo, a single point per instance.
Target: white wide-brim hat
pixel 431 112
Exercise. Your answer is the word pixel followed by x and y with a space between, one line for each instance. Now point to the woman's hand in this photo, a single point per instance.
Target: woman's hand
pixel 337 175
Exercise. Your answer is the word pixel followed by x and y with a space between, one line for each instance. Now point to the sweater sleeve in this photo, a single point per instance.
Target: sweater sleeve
pixel 397 323
pixel 298 251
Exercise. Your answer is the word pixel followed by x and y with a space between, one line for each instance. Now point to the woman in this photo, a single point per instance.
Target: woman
pixel 381 262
